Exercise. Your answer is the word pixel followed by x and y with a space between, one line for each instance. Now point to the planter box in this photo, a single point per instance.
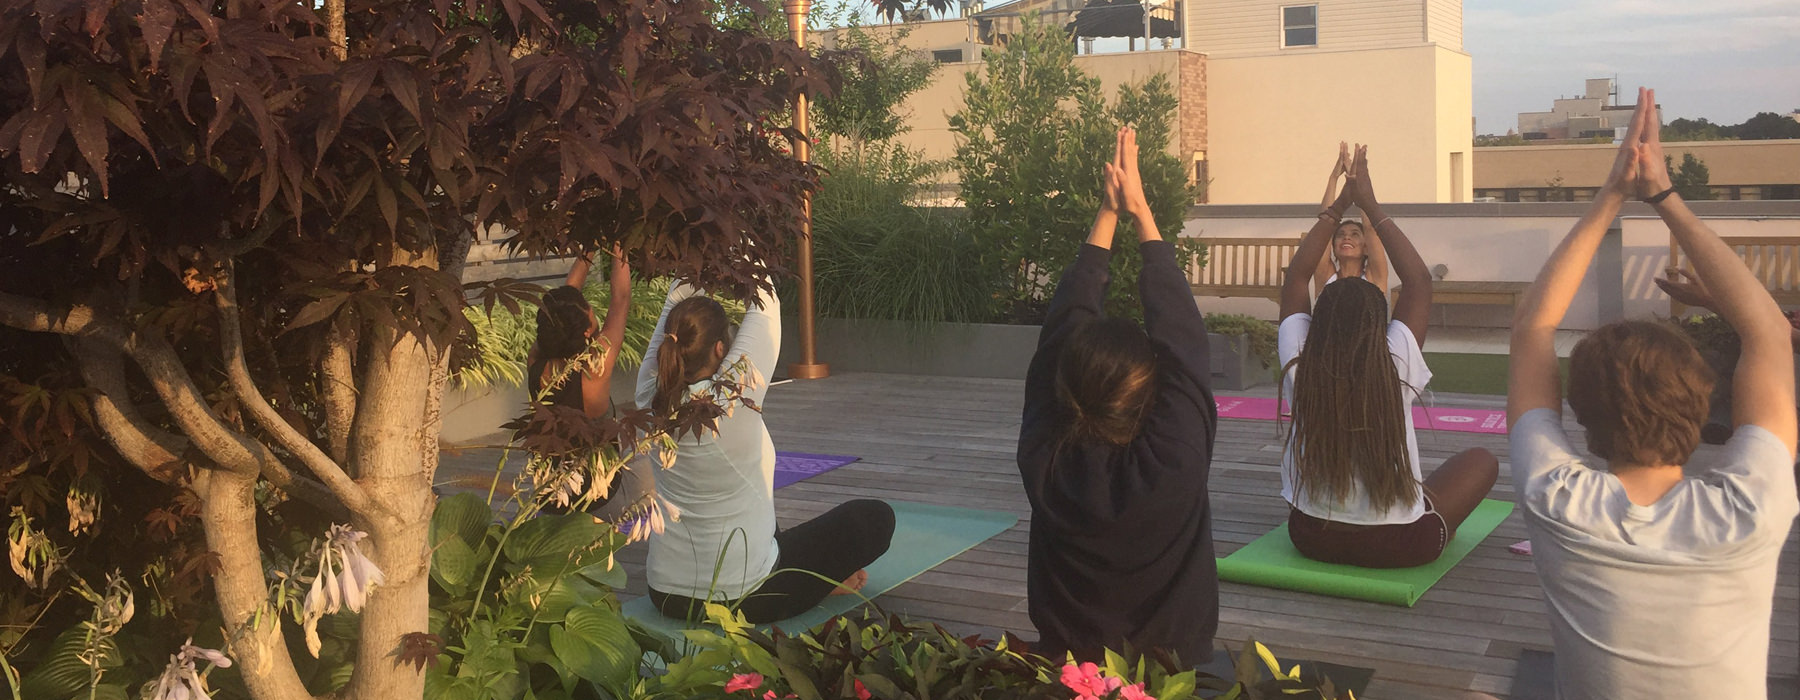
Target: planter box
pixel 941 349
pixel 1234 367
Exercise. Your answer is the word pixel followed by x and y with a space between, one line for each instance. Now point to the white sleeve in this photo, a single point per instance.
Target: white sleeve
pixel 1760 466
pixel 1538 445
pixel 646 381
pixel 1291 337
pixel 1408 358
pixel 758 342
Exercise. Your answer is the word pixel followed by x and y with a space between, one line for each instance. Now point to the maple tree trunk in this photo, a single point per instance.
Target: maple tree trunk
pixel 253 627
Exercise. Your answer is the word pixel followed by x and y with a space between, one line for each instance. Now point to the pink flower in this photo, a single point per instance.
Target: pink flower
pixel 1086 681
pixel 744 681
pixel 1135 692
pixel 770 695
pixel 862 693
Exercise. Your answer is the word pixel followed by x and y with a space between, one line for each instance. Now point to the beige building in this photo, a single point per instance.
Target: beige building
pixel 1573 173
pixel 1268 88
pixel 1596 113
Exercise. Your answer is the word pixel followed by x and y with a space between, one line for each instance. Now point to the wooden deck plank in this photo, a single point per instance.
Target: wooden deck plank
pixel 951 441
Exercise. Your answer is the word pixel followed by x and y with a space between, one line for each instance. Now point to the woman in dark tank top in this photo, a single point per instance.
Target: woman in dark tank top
pixel 566 329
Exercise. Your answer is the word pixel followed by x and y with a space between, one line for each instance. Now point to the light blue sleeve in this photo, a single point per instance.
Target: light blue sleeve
pixel 1758 470
pixel 1538 445
pixel 758 342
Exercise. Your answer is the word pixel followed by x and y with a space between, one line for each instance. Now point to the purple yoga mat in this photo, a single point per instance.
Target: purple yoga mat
pixel 791 467
pixel 1462 420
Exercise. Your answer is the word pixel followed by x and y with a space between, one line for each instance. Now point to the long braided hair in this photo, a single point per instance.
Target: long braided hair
pixel 1348 425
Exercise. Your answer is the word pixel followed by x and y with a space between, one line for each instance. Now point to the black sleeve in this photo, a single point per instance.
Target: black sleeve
pixel 1184 417
pixel 1079 297
pixel 1171 318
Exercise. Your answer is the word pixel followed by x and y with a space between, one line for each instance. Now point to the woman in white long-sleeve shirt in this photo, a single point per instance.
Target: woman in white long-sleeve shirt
pixel 724 545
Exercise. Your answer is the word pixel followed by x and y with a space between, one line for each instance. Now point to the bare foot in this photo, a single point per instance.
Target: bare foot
pixel 853 584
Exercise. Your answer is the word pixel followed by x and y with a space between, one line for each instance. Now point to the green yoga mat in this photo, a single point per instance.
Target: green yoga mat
pixel 1272 561
pixel 924 536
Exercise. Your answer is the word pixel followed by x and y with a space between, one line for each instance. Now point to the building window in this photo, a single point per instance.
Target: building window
pixel 948 56
pixel 1299 26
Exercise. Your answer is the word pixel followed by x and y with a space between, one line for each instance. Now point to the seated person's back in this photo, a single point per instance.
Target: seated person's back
pixel 1658 584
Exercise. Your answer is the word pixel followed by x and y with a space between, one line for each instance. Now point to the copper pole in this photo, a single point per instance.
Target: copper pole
pixel 809 366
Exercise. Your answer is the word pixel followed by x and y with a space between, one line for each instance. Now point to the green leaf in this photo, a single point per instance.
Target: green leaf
pixel 453 566
pixel 463 515
pixel 594 644
pixel 547 543
pixel 61 675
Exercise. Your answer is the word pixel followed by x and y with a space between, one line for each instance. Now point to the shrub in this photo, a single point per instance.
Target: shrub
pixel 1262 333
pixel 1032 135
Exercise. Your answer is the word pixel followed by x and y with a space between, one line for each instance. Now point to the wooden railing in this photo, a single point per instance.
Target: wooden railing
pixel 1775 260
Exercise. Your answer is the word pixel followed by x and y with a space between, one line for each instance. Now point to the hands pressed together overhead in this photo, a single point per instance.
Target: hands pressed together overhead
pixel 1124 189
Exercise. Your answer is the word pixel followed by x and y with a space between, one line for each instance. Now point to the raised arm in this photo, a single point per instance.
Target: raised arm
pixel 1171 319
pixel 758 341
pixel 1341 166
pixel 1296 298
pixel 596 385
pixel 579 271
pixel 1535 378
pixel 1763 388
pixel 1377 270
pixel 1413 308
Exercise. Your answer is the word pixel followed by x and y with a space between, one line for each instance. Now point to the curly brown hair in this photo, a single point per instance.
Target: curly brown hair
pixel 1641 390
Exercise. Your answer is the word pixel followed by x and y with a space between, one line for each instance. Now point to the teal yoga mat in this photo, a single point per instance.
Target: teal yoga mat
pixel 1272 561
pixel 924 536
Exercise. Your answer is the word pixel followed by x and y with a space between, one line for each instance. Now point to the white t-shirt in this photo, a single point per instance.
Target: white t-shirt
pixel 1669 600
pixel 1414 375
pixel 723 484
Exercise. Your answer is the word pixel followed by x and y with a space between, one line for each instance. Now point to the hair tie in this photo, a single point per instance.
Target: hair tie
pixel 672 337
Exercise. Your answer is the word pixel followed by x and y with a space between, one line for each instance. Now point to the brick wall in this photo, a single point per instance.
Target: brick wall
pixel 1192 93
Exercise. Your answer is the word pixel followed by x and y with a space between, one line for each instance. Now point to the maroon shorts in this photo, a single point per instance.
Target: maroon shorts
pixel 1374 546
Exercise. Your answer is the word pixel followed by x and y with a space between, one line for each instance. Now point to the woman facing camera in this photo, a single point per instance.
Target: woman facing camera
pixel 1355 248
pixel 1351 471
pixel 1114 451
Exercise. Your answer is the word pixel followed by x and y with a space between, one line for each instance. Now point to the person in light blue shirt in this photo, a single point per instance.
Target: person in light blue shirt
pixel 1660 584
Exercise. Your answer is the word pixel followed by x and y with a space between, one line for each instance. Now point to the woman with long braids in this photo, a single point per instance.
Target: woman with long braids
pixel 722 544
pixel 1114 449
pixel 1355 250
pixel 1351 470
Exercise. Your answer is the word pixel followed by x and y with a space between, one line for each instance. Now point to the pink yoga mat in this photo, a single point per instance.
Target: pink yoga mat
pixel 1462 420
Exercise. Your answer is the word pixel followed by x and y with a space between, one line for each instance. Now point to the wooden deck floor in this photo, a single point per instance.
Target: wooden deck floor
pixel 951 441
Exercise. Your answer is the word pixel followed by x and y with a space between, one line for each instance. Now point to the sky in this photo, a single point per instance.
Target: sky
pixel 1724 60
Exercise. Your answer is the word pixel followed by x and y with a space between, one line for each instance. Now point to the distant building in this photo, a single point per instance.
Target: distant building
pixel 1737 170
pixel 1595 114
pixel 1267 88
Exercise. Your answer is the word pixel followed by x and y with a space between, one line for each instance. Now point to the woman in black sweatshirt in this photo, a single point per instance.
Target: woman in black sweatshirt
pixel 1114 450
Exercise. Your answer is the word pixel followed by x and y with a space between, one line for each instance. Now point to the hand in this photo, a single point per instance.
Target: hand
pixel 1111 199
pixel 1360 188
pixel 1632 168
pixel 1653 169
pixel 1131 182
pixel 1684 287
pixel 1342 165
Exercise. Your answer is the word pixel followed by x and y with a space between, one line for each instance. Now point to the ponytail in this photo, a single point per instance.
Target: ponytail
pixel 693 328
pixel 1105 381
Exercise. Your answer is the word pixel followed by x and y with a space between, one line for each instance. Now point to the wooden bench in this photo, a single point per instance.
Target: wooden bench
pixel 1459 292
pixel 1775 260
pixel 1242 267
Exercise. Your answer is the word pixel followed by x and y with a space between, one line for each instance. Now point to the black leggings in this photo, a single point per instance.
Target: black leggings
pixel 834 545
